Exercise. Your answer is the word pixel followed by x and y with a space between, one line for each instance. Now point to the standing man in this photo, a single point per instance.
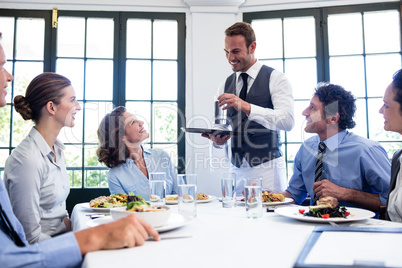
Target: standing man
pixel 336 162
pixel 259 102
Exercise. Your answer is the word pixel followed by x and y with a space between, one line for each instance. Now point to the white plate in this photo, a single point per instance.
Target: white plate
pixel 175 221
pixel 356 214
pixel 267 204
pixel 174 202
pixel 86 206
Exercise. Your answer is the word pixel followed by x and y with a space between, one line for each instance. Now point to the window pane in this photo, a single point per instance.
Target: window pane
pixel 99 80
pixel 299 36
pixel 302 74
pixel 381 31
pixel 269 38
pixel 139 39
pixel 165 122
pixel 349 73
pixel 276 64
pixel 165 39
pixel 345 34
pixel 7 30
pixel 94 113
pixel 73 134
pixel 171 149
pixel 376 123
pixel 360 118
pixel 138 80
pixel 165 80
pixel 24 73
pixel 391 147
pixel 94 177
pixel 75 177
pixel 380 69
pixel 34 31
pixel 67 28
pixel 20 129
pixel 3 158
pixel 5 128
pixel 73 70
pixel 73 154
pixel 100 37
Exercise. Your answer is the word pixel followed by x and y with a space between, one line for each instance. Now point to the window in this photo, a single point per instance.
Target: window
pixel 130 59
pixel 358 47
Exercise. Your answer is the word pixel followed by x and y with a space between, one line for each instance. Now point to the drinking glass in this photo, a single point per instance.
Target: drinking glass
pixel 228 184
pixel 253 199
pixel 157 185
pixel 187 195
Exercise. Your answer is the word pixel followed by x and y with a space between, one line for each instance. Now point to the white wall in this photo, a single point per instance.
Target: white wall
pixel 206 66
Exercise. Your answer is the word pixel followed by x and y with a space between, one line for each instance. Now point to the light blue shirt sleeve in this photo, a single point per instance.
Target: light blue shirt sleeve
pixel 61 251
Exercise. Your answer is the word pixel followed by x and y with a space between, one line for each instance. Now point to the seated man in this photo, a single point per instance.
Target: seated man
pixel 350 168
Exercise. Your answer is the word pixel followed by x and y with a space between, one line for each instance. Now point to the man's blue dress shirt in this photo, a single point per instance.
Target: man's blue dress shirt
pixel 350 161
pixel 127 177
pixel 60 251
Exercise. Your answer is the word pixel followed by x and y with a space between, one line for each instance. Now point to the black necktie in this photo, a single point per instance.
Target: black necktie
pixel 8 228
pixel 243 92
pixel 318 165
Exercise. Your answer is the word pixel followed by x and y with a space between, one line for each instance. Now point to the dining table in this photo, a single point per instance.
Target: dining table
pixel 220 237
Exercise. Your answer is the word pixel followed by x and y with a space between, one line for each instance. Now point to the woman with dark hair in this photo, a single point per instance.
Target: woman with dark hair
pixel 35 174
pixel 392 112
pixel 120 137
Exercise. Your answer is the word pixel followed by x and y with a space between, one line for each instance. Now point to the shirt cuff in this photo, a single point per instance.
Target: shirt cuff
pixel 61 251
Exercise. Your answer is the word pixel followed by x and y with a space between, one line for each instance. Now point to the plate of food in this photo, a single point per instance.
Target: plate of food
pixel 326 210
pixel 104 203
pixel 175 221
pixel 271 199
pixel 201 198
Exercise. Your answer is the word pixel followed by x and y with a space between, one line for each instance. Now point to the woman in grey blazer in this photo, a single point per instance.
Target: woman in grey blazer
pixel 392 112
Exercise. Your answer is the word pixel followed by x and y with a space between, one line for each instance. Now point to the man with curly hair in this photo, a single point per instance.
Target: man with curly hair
pixel 351 168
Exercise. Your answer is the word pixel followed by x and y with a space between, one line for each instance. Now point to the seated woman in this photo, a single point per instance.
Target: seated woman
pixel 392 112
pixel 120 136
pixel 35 174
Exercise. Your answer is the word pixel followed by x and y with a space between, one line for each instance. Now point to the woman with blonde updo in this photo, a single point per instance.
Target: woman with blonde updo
pixel 35 173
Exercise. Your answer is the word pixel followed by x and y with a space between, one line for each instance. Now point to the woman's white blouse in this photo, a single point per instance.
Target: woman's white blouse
pixel 38 186
pixel 395 198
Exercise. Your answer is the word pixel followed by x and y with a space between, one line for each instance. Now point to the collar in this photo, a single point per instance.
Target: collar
pixel 252 71
pixel 333 142
pixel 146 150
pixel 42 144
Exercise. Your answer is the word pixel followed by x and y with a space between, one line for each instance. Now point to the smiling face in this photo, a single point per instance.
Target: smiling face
pixel 135 131
pixel 239 57
pixel 67 108
pixel 314 114
pixel 5 77
pixel 391 111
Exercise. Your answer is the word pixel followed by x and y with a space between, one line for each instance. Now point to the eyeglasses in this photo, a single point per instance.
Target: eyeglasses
pixel 9 228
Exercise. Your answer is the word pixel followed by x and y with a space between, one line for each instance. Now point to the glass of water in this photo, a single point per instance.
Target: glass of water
pixel 253 199
pixel 157 185
pixel 187 195
pixel 228 184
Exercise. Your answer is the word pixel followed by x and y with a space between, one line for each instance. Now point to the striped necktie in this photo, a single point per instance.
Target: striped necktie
pixel 318 165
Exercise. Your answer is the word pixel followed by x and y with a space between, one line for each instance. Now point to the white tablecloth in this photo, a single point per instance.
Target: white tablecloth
pixel 220 237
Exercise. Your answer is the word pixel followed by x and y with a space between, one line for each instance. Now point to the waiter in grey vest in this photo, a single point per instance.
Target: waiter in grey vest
pixel 259 103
